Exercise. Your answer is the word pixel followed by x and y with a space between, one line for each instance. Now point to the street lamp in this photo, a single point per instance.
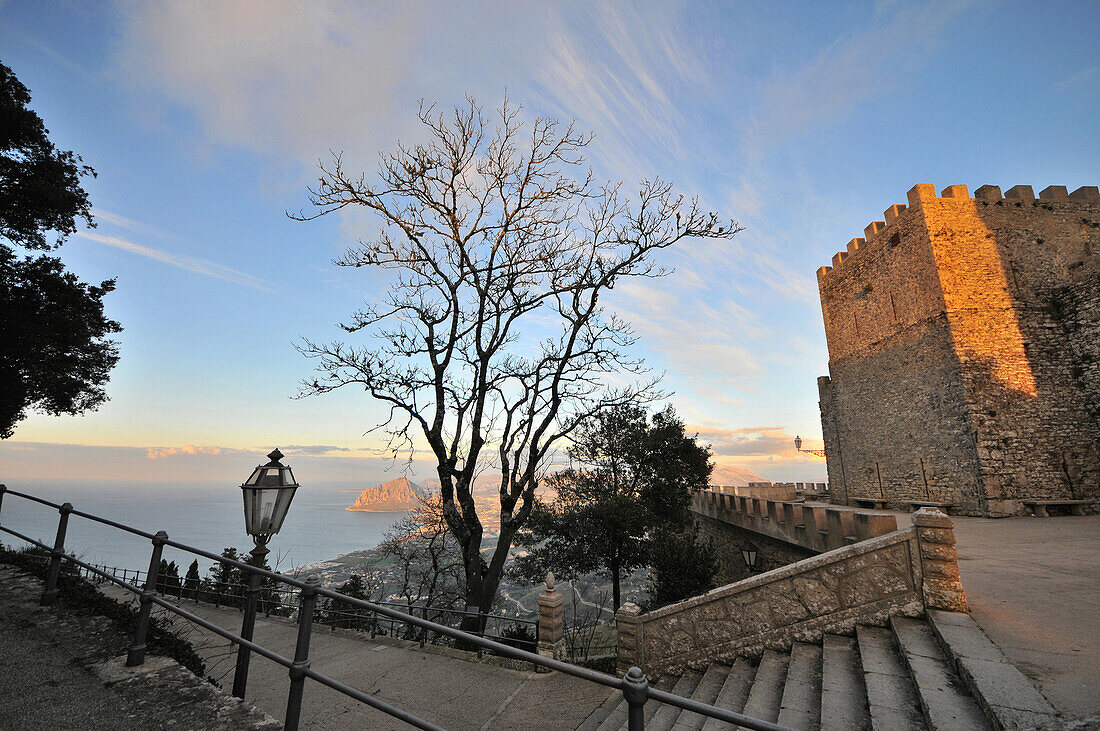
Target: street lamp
pixel 267 495
pixel 798 448
pixel 749 553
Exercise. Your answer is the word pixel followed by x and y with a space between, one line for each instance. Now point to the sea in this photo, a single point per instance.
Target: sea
pixel 208 516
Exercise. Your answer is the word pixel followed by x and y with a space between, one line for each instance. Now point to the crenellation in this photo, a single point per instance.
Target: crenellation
pixel 974 330
pixel 839 257
pixel 1023 192
pixel 919 193
pixel 892 213
pixel 872 229
pixel 854 244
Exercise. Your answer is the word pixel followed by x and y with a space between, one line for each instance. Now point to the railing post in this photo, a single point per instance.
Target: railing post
pixel 636 691
pixel 424 630
pixel 240 676
pixel 3 489
pixel 301 653
pixel 136 655
pixel 49 594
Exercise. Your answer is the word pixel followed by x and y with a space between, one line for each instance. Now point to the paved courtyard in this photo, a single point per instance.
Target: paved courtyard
pixel 1034 587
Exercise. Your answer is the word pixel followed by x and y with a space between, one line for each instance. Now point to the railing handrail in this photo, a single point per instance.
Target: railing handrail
pixel 628 684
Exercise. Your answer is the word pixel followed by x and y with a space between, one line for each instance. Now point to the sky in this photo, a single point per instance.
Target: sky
pixel 205 122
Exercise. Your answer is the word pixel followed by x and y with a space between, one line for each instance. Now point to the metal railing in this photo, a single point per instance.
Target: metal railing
pixel 634 684
pixel 283 602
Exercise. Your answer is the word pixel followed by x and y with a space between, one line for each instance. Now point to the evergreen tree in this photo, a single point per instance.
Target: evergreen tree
pixel 630 478
pixel 681 565
pixel 55 354
pixel 192 581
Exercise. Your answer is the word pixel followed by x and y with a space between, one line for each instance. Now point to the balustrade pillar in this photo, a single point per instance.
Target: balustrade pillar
pixel 551 622
pixel 942 585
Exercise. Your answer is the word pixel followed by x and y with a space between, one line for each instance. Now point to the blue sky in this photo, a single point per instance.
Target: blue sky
pixel 802 121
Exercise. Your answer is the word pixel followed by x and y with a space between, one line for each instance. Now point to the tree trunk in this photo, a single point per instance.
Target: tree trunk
pixel 615 593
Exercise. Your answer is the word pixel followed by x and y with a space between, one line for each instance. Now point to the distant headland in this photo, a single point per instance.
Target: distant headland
pixel 397 495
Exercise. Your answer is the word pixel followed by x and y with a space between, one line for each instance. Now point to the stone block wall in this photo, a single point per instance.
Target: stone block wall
pixel 964 351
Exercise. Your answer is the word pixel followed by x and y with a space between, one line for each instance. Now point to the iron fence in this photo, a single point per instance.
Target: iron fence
pixel 634 685
pixel 283 602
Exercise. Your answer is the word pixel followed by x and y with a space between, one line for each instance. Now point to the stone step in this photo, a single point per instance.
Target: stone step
pixel 800 707
pixel 705 692
pixel 891 695
pixel 605 709
pixel 843 692
pixel 1006 696
pixel 766 693
pixel 944 700
pixel 667 714
pixel 618 717
pixel 734 691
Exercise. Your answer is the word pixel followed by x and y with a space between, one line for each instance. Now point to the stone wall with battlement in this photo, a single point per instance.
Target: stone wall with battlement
pixel 964 351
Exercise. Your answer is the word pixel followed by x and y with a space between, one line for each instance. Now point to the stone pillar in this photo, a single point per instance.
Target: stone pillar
pixel 551 621
pixel 628 622
pixel 939 561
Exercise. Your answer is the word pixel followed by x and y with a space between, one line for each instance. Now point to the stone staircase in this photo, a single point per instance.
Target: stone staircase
pixel 941 673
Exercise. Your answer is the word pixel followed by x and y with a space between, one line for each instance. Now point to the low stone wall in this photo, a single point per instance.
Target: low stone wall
pixel 771 552
pixel 905 572
pixel 816 527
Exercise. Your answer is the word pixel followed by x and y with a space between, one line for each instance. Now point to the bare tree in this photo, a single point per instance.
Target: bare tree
pixel 427 561
pixel 490 343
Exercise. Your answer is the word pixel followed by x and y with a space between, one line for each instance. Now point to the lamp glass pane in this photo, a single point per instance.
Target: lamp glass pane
pixel 266 508
pixel 282 506
pixel 254 478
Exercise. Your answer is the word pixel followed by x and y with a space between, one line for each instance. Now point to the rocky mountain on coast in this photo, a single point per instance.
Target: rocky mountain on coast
pixel 399 494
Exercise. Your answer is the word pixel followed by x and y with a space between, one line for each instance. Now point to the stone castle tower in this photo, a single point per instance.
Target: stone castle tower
pixel 964 351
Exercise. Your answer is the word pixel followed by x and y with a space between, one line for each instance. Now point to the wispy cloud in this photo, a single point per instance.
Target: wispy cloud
pixel 190 263
pixel 312 450
pixel 115 219
pixel 189 450
pixel 852 71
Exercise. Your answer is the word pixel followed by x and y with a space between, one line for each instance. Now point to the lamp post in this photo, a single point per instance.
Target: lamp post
pixel 750 553
pixel 798 448
pixel 267 495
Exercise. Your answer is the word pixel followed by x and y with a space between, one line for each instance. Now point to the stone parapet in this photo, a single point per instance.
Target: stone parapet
pixel 816 527
pixel 942 585
pixel 902 573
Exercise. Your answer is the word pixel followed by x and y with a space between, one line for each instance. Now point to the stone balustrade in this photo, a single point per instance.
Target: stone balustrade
pixel 816 527
pixel 901 573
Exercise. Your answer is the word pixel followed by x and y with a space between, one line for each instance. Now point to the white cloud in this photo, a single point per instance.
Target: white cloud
pixel 190 263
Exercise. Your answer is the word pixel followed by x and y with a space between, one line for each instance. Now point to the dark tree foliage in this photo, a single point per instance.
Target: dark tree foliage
pixel 168 578
pixel 681 565
pixel 55 355
pixel 192 580
pixel 630 479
